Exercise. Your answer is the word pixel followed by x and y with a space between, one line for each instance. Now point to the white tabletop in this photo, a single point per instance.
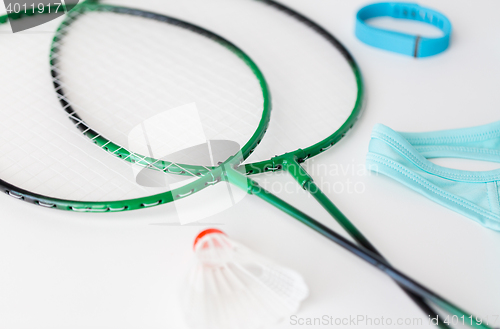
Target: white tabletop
pixel 122 270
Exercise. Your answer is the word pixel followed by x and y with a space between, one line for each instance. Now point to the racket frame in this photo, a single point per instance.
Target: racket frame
pixel 207 176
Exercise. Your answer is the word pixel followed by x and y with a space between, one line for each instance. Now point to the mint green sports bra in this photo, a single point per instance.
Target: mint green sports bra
pixel 404 157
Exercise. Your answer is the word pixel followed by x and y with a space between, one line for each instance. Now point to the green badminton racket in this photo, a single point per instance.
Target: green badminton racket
pixel 290 162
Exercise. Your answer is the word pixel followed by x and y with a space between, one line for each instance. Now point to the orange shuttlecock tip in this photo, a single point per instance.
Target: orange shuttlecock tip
pixel 205 233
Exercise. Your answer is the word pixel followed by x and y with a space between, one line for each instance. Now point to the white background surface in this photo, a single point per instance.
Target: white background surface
pixel 71 270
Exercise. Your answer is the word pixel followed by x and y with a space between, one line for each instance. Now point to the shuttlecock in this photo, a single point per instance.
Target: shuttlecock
pixel 230 287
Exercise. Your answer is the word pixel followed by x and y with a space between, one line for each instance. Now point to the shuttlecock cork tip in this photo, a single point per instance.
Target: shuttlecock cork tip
pixel 205 233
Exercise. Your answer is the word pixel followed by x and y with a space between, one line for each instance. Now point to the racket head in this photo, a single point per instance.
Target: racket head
pixel 317 87
pixel 36 126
